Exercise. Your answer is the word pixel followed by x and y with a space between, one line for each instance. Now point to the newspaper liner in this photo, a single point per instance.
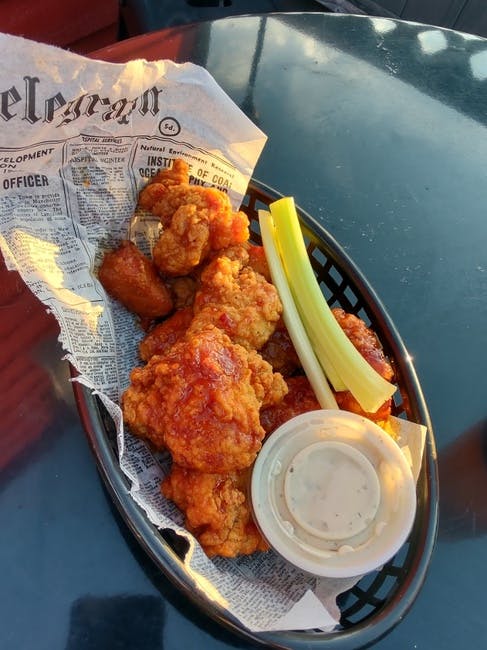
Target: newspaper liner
pixel 78 140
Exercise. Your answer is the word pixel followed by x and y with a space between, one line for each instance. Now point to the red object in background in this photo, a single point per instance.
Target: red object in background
pixel 78 27
pixel 24 324
pixel 178 44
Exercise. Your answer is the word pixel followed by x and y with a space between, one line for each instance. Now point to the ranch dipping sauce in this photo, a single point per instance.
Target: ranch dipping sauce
pixel 332 490
pixel 333 493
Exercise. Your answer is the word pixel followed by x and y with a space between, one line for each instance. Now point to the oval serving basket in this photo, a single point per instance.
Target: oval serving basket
pixel 380 599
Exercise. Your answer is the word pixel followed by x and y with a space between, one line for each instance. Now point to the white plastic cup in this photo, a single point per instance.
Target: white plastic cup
pixel 333 494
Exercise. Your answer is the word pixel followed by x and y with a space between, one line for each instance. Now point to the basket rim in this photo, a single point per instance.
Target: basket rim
pixel 358 635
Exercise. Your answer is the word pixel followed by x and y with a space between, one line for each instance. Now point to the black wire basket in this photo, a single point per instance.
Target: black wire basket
pixel 379 600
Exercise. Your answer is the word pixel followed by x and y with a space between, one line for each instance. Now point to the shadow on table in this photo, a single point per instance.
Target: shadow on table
pixel 121 622
pixel 171 595
pixel 463 485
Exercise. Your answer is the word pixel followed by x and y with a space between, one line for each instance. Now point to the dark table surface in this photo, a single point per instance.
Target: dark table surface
pixel 379 130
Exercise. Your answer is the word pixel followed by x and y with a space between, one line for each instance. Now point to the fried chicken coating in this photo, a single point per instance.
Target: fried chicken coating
pixel 155 189
pixel 347 402
pixel 216 510
pixel 238 301
pixel 369 346
pixel 365 340
pixel 183 244
pixel 236 253
pixel 165 334
pixel 229 229
pixel 299 399
pixel 130 277
pixel 191 232
pixel 270 387
pixel 196 220
pixel 200 400
pixel 248 255
pixel 210 202
pixel 258 261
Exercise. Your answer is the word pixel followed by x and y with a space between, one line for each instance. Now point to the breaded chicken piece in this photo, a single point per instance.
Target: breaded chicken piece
pixel 299 399
pixel 248 255
pixel 155 189
pixel 216 510
pixel 165 334
pixel 211 203
pixel 200 400
pixel 229 229
pixel 191 231
pixel 184 243
pixel 130 277
pixel 238 301
pixel 196 220
pixel 270 387
pixel 236 253
pixel 365 340
pixel 369 346
pixel 258 261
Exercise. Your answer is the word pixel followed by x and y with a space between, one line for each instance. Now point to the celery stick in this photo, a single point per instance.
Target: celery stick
pixel 291 317
pixel 322 354
pixel 366 385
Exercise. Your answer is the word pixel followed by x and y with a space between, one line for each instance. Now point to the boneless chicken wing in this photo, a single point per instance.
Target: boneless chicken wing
pixel 130 277
pixel 211 204
pixel 237 300
pixel 301 397
pixel 270 387
pixel 183 244
pixel 216 510
pixel 369 346
pixel 196 220
pixel 157 186
pixel 198 400
pixel 248 255
pixel 200 217
pixel 365 340
pixel 258 261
